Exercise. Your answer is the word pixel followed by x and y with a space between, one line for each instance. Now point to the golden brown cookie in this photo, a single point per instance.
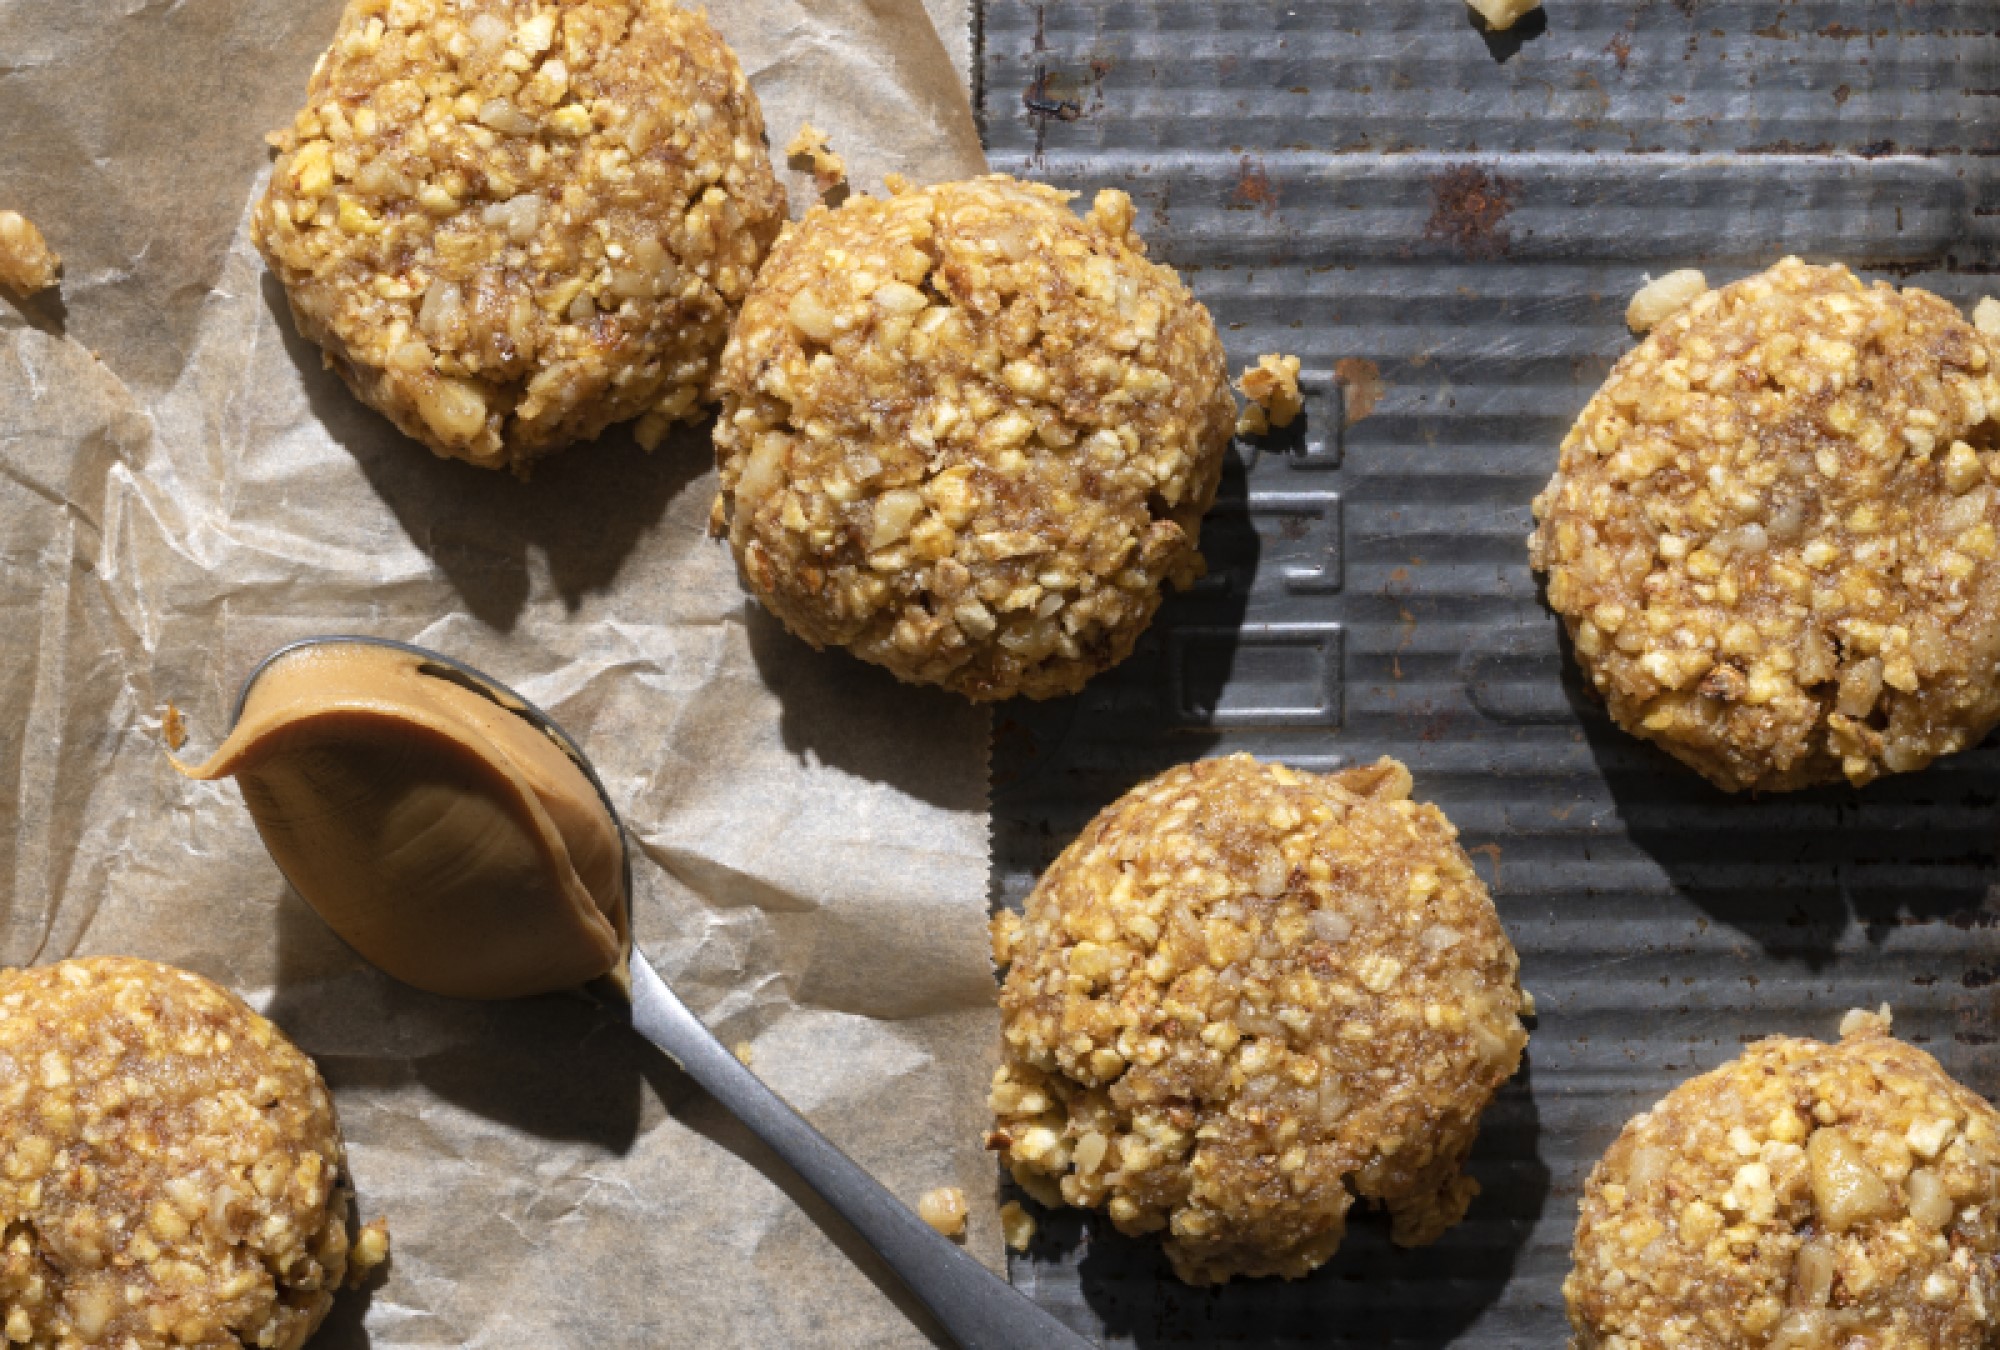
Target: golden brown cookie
pixel 1803 1197
pixel 969 436
pixel 1772 532
pixel 1245 996
pixel 513 223
pixel 171 1173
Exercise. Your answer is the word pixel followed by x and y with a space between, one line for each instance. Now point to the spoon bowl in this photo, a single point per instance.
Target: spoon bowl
pixel 976 1308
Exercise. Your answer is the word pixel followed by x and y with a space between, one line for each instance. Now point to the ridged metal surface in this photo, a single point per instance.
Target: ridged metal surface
pixel 1371 182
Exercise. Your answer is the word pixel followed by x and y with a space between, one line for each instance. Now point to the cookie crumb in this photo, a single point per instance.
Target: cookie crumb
pixel 27 263
pixel 1661 299
pixel 829 170
pixel 743 1051
pixel 1272 386
pixel 173 727
pixel 1500 15
pixel 1017 1226
pixel 369 1253
pixel 944 1209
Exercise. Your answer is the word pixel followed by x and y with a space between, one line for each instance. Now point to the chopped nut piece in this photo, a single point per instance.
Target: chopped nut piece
pixel 171 1172
pixel 943 1209
pixel 1660 299
pixel 1272 386
pixel 1682 1243
pixel 371 1251
pixel 1771 533
pixel 514 223
pixel 1191 1045
pixel 1845 1191
pixel 1501 15
pixel 969 436
pixel 810 145
pixel 1986 316
pixel 1017 1226
pixel 26 263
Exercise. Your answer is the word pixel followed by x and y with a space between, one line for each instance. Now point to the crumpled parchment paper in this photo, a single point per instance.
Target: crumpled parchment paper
pixel 182 488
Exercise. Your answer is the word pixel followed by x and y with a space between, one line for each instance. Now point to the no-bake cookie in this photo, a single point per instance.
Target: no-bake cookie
pixel 1772 533
pixel 171 1172
pixel 970 436
pixel 513 223
pixel 1803 1197
pixel 1245 997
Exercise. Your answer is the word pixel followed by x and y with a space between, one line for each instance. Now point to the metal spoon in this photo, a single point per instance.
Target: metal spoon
pixel 976 1308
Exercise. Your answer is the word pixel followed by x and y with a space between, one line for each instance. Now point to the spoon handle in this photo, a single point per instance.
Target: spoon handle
pixel 979 1310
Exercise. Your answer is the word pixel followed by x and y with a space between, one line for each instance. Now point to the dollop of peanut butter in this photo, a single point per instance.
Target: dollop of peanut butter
pixel 448 839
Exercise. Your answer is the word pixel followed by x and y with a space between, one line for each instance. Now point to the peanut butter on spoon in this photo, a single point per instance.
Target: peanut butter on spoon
pixel 428 821
pixel 459 838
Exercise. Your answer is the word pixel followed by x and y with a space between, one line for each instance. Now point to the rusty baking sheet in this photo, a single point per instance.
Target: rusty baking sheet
pixel 1445 227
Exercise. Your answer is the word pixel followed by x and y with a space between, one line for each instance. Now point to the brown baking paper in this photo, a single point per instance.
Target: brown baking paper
pixel 810 837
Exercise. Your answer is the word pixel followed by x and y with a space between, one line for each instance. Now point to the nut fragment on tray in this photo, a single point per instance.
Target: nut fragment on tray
pixel 1663 297
pixel 446 839
pixel 1272 386
pixel 969 436
pixel 512 225
pixel 171 1172
pixel 1772 533
pixel 1803 1197
pixel 1500 15
pixel 27 264
pixel 1243 998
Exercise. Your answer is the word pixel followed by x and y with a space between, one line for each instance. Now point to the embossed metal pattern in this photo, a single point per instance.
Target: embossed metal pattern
pixel 1445 229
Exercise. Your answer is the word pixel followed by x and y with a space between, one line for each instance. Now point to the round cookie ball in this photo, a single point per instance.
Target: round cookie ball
pixel 968 436
pixel 171 1173
pixel 1772 532
pixel 1803 1197
pixel 1245 996
pixel 513 223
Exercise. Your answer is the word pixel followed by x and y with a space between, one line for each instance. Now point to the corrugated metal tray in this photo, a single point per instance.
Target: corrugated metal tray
pixel 1446 227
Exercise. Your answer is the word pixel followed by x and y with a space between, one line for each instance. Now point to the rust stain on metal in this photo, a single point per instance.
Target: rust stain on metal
pixel 1596 104
pixel 1620 48
pixel 1361 385
pixel 1492 851
pixel 1254 186
pixel 1470 210
pixel 1039 102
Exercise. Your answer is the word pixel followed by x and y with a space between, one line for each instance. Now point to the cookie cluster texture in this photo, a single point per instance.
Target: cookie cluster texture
pixel 513 223
pixel 1243 998
pixel 1772 533
pixel 171 1173
pixel 969 436
pixel 1803 1197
